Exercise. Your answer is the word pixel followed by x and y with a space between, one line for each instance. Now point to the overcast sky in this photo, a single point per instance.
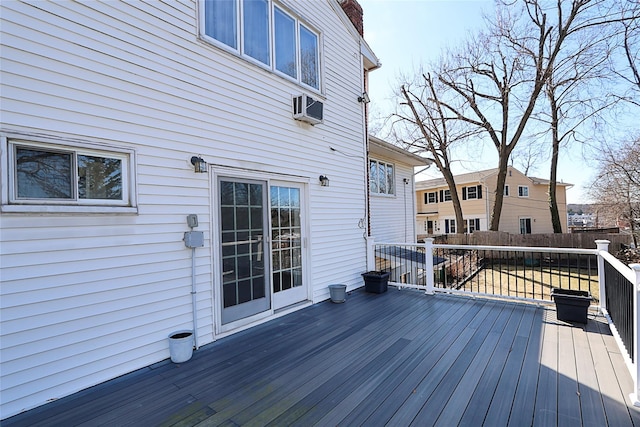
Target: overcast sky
pixel 407 33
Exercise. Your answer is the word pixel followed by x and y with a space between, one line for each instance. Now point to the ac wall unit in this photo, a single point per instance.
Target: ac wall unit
pixel 307 109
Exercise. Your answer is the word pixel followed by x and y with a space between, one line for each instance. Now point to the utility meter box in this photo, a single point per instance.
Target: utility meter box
pixel 194 239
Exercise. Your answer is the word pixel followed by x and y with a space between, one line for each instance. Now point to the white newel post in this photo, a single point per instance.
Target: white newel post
pixel 602 245
pixel 635 396
pixel 428 267
pixel 371 253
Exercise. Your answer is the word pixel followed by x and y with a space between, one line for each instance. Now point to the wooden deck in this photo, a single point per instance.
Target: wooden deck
pixel 399 358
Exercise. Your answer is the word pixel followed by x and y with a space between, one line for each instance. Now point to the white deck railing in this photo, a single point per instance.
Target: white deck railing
pixel 523 273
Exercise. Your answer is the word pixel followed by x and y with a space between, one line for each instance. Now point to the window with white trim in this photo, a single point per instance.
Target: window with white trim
pixel 381 177
pixel 450 226
pixel 445 195
pixel 267 34
pixel 523 191
pixel 431 197
pixel 52 174
pixel 471 225
pixel 525 225
pixel 506 190
pixel 473 192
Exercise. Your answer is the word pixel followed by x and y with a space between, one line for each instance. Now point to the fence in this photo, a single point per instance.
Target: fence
pixel 529 273
pixel 511 272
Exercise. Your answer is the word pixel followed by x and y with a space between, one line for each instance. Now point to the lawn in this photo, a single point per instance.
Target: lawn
pixel 527 282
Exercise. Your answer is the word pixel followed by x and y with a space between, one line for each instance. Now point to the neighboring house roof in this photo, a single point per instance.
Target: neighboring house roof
pixel 478 176
pixel 383 148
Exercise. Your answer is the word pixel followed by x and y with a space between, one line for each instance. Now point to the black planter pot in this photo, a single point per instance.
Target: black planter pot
pixel 376 281
pixel 571 305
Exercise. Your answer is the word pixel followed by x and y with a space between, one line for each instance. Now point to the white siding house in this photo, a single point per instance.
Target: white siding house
pixel 104 105
pixel 392 192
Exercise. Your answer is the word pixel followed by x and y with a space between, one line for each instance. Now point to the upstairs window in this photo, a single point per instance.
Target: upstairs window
pixel 445 195
pixel 381 177
pixel 431 197
pixel 267 34
pixel 506 190
pixel 523 191
pixel 48 174
pixel 470 193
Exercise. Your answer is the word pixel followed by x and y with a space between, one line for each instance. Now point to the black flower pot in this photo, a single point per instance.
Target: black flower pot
pixel 376 281
pixel 571 305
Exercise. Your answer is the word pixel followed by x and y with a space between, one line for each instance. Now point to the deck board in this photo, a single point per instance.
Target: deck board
pixel 399 358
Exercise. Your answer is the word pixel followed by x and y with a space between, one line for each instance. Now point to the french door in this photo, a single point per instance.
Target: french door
pixel 287 249
pixel 262 232
pixel 243 231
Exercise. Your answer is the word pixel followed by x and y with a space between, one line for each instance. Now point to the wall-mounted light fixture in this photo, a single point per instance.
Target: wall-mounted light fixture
pixel 324 181
pixel 364 98
pixel 199 165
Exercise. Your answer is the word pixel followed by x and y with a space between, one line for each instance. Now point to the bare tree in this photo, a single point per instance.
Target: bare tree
pixel 432 131
pixel 573 103
pixel 501 74
pixel 616 187
pixel 628 68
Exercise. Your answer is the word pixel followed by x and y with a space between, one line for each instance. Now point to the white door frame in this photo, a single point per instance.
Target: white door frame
pixel 271 179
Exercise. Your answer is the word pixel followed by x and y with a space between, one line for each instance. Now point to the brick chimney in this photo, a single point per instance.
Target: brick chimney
pixel 354 11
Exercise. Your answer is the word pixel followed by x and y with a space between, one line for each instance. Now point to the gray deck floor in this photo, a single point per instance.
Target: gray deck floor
pixel 399 358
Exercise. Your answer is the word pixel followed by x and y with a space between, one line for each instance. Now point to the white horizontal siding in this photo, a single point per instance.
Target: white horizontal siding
pixel 86 298
pixel 393 216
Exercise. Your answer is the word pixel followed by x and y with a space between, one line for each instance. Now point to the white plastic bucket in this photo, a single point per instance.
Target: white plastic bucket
pixel 180 346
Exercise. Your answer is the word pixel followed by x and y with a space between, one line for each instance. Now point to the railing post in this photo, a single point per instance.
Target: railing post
pixel 602 245
pixel 371 253
pixel 428 264
pixel 635 396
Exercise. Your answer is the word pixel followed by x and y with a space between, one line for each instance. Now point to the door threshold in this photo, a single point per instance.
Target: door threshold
pixel 292 307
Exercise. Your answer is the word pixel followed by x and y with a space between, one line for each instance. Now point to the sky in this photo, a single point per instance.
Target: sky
pixel 405 34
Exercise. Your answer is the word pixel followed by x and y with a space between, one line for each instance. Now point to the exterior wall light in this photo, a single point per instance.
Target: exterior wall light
pixel 364 98
pixel 324 181
pixel 199 165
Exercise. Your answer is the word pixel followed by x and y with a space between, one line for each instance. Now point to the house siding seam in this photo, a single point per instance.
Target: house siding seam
pixel 86 298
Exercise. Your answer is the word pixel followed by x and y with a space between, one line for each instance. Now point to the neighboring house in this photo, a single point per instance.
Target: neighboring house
pixel 525 207
pixel 125 125
pixel 392 200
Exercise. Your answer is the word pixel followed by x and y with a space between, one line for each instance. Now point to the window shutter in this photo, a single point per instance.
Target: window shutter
pixel 441 195
pixel 446 226
pixel 478 224
pixel 436 195
pixel 479 191
pixel 426 198
pixel 464 193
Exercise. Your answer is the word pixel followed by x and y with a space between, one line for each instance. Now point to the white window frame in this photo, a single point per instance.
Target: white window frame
pixel 523 191
pixel 11 203
pixel 450 226
pixel 446 195
pixel 520 223
pixel 435 197
pixel 239 50
pixel 470 225
pixel 388 191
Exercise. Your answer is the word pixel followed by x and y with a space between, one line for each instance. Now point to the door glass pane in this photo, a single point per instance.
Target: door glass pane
pixel 44 174
pixel 286 239
pixel 256 29
pixel 242 232
pixel 285 43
